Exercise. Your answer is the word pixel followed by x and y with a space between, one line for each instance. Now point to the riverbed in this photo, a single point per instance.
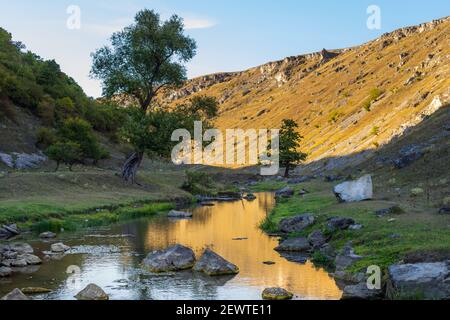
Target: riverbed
pixel 111 258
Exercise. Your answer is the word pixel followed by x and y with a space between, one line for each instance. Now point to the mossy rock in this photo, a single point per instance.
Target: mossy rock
pixel 35 290
pixel 277 294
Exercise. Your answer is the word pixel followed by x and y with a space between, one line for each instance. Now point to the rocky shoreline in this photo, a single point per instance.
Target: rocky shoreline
pixel 424 280
pixel 429 280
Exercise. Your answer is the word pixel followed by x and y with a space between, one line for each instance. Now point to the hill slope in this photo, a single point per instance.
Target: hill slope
pixel 346 101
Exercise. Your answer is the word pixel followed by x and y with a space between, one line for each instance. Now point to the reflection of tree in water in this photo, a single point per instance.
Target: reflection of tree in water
pixel 266 202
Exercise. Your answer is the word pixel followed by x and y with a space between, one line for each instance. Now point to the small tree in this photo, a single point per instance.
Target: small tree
pixel 68 153
pixel 143 58
pixel 151 132
pixel 289 146
pixel 203 107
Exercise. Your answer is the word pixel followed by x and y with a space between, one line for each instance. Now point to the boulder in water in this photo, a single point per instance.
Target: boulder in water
pixel 277 294
pixel 59 247
pixel 179 214
pixel 47 235
pixel 175 258
pixel 9 231
pixel 30 259
pixel 15 295
pixel 5 272
pixel 214 265
pixel 21 248
pixel 92 292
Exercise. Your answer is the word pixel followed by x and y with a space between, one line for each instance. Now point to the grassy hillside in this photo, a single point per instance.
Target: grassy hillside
pixel 35 93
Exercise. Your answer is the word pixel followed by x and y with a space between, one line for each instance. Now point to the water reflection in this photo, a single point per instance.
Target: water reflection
pixel 114 263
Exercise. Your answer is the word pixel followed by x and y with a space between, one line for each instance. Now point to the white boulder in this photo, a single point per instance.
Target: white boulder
pixel 354 191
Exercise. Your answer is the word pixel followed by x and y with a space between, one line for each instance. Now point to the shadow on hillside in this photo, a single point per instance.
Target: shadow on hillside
pixel 428 140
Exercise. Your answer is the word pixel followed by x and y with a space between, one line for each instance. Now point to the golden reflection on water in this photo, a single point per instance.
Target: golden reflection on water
pixel 217 226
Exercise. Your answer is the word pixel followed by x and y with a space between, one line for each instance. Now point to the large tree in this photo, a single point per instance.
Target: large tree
pixel 142 59
pixel 289 146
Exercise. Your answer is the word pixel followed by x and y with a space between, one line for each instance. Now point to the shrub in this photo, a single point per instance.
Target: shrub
pixel 7 110
pixel 334 116
pixel 197 183
pixel 321 260
pixel 374 94
pixel 24 93
pixel 46 111
pixel 375 131
pixel 367 105
pixel 45 137
pixel 268 225
pixel 68 153
pixel 80 132
pixel 64 109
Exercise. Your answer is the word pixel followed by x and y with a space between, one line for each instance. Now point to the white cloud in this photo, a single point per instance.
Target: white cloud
pixel 193 23
pixel 106 30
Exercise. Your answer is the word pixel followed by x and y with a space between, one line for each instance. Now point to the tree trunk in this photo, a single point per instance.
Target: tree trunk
pixel 131 167
pixel 286 172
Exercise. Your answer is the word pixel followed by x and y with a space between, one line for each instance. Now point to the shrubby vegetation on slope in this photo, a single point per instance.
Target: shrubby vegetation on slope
pixel 28 81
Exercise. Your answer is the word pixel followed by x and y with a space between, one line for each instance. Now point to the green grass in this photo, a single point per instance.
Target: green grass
pixel 89 196
pixel 103 217
pixel 28 198
pixel 380 242
pixel 268 186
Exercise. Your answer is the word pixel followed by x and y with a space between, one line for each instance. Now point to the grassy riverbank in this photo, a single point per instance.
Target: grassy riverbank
pixel 68 199
pixel 101 217
pixel 89 196
pixel 417 232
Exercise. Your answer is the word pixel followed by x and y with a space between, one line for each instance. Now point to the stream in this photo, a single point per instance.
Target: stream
pixel 111 258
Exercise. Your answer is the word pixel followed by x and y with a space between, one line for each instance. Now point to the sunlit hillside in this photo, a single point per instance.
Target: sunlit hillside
pixel 345 101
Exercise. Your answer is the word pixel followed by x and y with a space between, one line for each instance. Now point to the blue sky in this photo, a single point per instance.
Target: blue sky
pixel 231 34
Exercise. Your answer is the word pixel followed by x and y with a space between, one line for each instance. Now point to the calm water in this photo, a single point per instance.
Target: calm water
pixel 114 262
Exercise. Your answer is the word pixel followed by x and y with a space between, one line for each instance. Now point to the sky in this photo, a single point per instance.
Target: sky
pixel 231 35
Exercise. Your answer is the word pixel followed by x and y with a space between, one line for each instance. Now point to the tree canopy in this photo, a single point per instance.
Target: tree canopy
pixel 144 58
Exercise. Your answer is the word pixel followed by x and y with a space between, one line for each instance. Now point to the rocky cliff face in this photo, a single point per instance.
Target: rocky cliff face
pixel 349 101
